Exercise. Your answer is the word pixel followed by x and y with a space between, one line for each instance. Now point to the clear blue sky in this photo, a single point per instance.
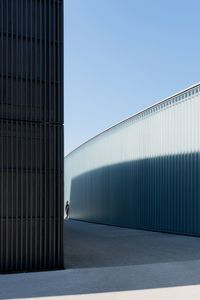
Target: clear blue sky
pixel 124 55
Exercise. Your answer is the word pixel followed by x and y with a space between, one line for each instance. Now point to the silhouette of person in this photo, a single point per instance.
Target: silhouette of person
pixel 67 209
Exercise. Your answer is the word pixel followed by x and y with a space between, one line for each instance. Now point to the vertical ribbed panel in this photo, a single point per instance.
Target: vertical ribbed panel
pixel 31 135
pixel 143 172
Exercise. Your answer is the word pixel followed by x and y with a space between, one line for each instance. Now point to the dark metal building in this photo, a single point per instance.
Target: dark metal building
pixel 31 135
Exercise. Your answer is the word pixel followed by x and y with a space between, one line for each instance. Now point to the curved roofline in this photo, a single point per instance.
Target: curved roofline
pixel 132 116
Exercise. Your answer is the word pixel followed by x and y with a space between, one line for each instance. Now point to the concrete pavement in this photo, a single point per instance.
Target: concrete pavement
pixel 105 262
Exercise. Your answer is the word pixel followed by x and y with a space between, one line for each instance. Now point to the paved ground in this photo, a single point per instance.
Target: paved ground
pixel 92 245
pixel 105 262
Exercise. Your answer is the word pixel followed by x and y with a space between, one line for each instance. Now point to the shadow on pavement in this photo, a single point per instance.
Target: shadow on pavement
pixel 101 258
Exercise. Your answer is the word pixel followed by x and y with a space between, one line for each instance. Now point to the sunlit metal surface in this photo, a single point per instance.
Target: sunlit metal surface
pixel 142 172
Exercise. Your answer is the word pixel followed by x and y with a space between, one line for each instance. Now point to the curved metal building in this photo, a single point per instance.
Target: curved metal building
pixel 143 172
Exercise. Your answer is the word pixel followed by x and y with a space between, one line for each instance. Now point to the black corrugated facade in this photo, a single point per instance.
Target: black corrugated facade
pixel 31 135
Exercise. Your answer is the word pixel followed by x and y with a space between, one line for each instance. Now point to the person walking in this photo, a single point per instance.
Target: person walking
pixel 67 209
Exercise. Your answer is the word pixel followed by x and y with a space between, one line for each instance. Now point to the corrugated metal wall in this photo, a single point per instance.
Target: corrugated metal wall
pixel 144 172
pixel 31 135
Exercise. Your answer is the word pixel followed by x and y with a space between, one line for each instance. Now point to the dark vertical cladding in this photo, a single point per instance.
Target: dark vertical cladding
pixel 31 135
